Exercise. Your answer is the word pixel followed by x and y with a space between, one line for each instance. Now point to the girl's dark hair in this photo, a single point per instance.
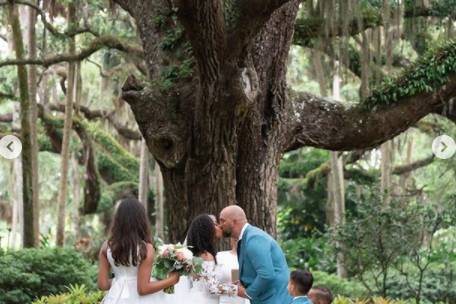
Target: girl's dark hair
pixel 130 232
pixel 201 236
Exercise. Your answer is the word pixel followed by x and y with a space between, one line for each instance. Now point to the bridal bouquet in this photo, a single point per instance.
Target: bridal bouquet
pixel 175 257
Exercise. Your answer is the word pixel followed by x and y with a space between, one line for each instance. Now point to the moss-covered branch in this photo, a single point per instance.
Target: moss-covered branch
pixel 124 131
pixel 425 76
pixel 391 109
pixel 102 156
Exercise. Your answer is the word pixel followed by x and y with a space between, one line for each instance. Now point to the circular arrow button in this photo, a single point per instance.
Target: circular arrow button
pixel 10 147
pixel 444 147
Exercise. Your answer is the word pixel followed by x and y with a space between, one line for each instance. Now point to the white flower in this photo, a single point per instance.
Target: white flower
pixel 166 247
pixel 188 255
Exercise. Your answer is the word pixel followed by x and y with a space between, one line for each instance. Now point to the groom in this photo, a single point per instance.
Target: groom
pixel 263 269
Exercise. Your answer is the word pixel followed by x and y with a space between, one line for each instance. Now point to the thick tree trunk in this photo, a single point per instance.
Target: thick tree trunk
pixel 223 141
pixel 65 156
pixel 261 134
pixel 27 153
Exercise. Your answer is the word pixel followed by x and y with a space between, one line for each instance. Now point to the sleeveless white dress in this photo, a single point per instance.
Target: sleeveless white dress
pixel 124 289
pixel 229 261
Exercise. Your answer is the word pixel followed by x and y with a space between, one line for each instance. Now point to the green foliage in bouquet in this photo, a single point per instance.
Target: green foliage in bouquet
pixel 77 294
pixel 28 274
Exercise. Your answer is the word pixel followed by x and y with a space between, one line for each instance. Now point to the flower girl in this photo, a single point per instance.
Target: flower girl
pixel 129 254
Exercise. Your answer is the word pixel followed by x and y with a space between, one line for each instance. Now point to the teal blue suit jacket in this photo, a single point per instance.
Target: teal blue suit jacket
pixel 263 268
pixel 303 300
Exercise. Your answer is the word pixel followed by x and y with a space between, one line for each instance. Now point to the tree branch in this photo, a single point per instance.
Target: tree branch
pixel 204 26
pixel 332 125
pixel 49 26
pixel 404 169
pixel 325 168
pixel 154 33
pixel 100 114
pixel 312 176
pixel 164 127
pixel 90 115
pixel 390 110
pixel 92 191
pixel 253 14
pixel 94 46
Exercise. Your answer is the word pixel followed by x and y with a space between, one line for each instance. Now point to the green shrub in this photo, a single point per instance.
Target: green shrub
pixel 439 284
pixel 339 286
pixel 314 253
pixel 75 295
pixel 32 273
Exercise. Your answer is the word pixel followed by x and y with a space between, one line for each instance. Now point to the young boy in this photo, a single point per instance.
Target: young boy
pixel 320 295
pixel 299 285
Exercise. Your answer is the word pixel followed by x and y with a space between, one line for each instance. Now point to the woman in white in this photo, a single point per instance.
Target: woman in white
pixel 129 255
pixel 212 283
pixel 228 260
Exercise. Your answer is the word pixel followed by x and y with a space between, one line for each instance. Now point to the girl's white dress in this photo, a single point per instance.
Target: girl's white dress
pixel 124 289
pixel 229 261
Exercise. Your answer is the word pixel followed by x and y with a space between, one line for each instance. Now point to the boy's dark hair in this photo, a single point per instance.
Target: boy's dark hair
pixel 323 294
pixel 303 280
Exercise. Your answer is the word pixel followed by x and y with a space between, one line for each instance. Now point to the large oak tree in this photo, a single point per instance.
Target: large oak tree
pixel 220 131
pixel 215 109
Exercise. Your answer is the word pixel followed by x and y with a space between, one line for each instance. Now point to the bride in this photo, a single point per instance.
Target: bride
pixel 216 278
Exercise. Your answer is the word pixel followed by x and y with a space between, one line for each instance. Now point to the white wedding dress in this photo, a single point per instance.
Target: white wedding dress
pixel 124 289
pixel 229 261
pixel 207 289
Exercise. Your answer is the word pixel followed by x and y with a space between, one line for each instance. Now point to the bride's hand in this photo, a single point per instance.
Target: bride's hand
pixel 174 276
